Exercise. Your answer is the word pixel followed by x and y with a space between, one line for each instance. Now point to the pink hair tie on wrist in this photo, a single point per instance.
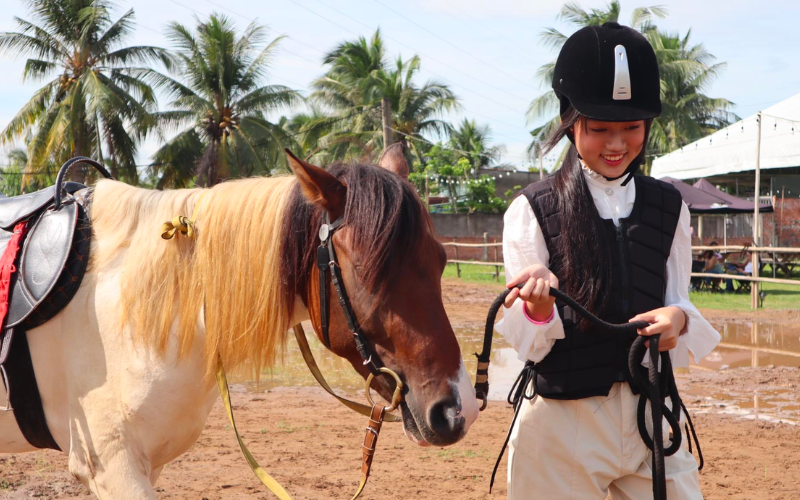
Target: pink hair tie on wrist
pixel 549 318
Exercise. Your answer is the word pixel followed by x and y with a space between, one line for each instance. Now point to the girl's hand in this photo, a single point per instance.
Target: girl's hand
pixel 536 292
pixel 668 321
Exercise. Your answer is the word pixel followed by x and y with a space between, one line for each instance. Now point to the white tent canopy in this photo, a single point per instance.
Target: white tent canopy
pixel 733 148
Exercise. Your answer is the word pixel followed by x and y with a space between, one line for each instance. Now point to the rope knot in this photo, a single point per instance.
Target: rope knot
pixel 178 224
pixel 182 224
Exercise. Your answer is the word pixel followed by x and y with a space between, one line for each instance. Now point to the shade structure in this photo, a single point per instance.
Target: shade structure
pixel 736 204
pixel 733 148
pixel 714 201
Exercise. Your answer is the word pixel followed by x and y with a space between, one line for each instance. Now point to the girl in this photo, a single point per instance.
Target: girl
pixel 621 246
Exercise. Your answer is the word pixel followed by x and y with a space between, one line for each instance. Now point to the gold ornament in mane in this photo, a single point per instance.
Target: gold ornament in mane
pixel 231 268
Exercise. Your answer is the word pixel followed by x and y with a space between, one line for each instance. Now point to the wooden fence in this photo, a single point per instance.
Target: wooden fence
pixel 725 249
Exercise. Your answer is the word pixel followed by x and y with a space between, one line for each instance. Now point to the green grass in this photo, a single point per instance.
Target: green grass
pixel 473 273
pixel 778 296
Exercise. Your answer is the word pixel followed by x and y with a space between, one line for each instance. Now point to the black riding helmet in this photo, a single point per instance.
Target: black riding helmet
pixel 609 73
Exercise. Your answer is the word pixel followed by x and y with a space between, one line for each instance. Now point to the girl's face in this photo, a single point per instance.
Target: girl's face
pixel 608 147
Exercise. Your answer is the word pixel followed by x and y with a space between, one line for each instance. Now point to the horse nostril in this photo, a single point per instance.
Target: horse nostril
pixel 445 418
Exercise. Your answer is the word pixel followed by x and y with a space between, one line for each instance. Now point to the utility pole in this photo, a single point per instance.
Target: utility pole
pixel 386 118
pixel 756 226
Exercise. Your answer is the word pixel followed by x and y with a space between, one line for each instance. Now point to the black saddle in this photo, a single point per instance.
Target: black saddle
pixel 53 237
pixel 55 251
pixel 50 265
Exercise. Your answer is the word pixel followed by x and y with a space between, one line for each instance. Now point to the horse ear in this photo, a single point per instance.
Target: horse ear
pixel 319 186
pixel 394 160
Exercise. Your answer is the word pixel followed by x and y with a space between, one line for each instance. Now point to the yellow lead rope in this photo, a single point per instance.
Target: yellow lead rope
pixel 308 357
pixel 266 479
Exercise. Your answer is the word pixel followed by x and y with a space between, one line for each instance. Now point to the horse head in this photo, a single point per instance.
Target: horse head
pixel 391 265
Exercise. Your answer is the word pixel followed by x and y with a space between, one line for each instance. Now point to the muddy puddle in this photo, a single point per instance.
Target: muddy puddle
pixel 744 345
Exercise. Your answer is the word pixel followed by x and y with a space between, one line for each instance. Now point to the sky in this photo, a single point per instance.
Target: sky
pixel 486 51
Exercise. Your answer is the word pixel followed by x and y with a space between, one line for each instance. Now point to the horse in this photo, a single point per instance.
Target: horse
pixel 126 370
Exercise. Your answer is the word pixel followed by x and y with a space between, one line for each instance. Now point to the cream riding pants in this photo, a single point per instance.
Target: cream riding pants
pixel 589 449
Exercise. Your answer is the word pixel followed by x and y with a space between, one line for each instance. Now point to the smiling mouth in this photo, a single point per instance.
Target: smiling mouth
pixel 613 158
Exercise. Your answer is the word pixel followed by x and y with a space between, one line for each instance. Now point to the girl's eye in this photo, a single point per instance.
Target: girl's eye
pixel 633 127
pixel 597 129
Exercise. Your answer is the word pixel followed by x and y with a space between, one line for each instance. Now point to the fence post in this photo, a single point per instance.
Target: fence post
pixel 458 269
pixel 496 268
pixel 485 248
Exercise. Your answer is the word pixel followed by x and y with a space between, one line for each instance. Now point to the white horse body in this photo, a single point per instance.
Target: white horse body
pixel 118 410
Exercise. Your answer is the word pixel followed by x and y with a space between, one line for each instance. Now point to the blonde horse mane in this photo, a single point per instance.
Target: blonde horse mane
pixel 230 272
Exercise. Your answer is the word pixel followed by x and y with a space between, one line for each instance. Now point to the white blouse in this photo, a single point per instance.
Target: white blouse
pixel 524 245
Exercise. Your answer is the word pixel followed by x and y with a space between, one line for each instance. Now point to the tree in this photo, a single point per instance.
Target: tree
pixel 473 140
pixel 686 71
pixel 449 172
pixel 220 106
pixel 358 77
pixel 11 177
pixel 97 105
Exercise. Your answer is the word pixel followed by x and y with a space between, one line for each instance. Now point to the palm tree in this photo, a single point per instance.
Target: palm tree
pixel 97 104
pixel 546 105
pixel 220 106
pixel 11 176
pixel 358 77
pixel 474 141
pixel 686 72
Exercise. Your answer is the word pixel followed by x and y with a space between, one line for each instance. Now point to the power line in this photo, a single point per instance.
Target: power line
pixel 427 56
pixel 389 37
pixel 697 143
pixel 471 153
pixel 484 29
pixel 453 45
pixel 325 18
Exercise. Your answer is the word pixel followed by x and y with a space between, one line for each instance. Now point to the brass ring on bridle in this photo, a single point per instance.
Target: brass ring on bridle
pixel 397 397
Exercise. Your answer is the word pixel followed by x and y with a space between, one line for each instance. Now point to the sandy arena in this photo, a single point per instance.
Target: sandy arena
pixel 311 444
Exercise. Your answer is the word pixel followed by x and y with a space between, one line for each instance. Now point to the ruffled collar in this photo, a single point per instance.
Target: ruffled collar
pixel 598 179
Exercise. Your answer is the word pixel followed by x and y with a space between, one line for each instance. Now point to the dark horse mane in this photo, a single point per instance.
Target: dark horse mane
pixel 385 219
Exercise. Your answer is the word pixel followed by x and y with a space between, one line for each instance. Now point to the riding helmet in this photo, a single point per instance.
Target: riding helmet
pixel 608 73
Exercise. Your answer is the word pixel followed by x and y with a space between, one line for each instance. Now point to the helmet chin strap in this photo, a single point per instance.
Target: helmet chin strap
pixel 630 172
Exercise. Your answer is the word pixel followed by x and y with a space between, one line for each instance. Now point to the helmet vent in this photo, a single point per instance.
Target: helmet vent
pixel 622 75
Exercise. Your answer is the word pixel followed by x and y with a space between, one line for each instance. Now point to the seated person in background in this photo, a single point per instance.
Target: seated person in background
pixel 712 265
pixel 720 257
pixel 743 267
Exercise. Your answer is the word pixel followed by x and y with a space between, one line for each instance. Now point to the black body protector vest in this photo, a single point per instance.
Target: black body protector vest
pixel 587 362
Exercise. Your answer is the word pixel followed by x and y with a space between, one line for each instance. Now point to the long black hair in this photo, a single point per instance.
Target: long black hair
pixel 583 259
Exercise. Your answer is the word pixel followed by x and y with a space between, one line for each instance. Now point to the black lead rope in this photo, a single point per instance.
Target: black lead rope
pixel 650 388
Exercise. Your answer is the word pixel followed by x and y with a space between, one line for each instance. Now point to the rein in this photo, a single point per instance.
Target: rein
pixel 653 388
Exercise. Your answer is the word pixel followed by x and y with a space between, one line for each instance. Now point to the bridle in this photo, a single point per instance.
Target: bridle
pixel 326 260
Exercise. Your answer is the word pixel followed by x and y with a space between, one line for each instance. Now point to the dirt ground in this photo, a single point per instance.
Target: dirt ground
pixel 311 444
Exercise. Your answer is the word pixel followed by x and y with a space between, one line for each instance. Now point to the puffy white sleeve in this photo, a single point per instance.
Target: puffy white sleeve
pixel 523 246
pixel 698 336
